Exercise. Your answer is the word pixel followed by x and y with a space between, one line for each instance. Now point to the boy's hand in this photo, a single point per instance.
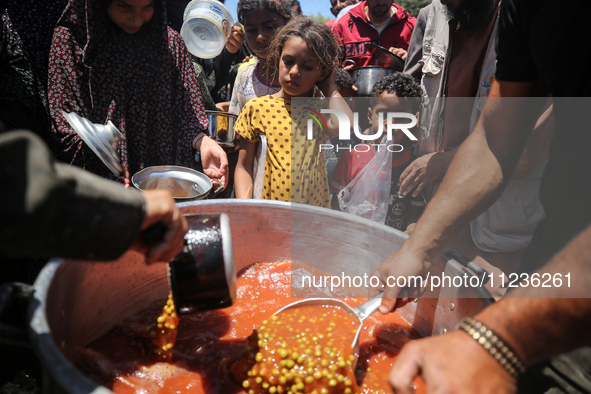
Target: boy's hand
pixel 235 40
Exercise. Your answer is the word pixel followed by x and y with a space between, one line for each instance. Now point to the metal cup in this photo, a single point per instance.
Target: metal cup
pixel 203 276
pixel 221 127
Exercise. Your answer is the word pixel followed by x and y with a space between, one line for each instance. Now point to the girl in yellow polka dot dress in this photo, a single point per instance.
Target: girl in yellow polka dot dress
pixel 305 53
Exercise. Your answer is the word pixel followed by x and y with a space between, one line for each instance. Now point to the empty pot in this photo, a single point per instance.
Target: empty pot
pixel 184 183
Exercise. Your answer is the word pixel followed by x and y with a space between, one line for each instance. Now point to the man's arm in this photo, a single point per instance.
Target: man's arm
pixel 51 209
pixel 537 146
pixel 476 177
pixel 522 317
pixel 520 320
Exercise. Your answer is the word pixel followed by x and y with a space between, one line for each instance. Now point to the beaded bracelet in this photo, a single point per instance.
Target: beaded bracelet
pixel 494 345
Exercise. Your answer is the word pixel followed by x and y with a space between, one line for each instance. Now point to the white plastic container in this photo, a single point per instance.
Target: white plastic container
pixel 206 27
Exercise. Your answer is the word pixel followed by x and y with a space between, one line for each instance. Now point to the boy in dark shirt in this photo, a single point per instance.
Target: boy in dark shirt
pixel 394 93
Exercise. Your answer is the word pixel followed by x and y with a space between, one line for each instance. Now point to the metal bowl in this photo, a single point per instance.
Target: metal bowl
pixel 184 183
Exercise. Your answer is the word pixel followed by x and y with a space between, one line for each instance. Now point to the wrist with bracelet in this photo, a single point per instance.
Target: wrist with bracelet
pixel 494 345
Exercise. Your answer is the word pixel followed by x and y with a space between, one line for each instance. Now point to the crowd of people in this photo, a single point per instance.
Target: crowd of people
pixel 498 169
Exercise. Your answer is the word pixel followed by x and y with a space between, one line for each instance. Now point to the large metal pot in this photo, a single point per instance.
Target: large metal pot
pixel 76 302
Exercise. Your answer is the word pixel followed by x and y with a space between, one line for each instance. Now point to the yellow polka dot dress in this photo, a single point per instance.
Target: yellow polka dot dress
pixel 294 170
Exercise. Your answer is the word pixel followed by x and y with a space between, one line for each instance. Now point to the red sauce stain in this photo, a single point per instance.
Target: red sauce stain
pixel 208 344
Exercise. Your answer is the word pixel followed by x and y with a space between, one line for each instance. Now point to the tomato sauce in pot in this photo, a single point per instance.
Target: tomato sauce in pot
pixel 210 346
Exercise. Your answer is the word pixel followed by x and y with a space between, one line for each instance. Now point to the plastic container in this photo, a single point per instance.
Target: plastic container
pixel 206 27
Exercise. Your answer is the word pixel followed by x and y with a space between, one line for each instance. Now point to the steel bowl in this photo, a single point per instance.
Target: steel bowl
pixel 184 183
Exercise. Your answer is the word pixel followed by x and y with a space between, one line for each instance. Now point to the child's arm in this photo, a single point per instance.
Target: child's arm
pixel 330 90
pixel 243 183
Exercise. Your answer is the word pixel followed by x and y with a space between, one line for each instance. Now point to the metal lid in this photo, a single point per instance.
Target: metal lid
pixel 102 139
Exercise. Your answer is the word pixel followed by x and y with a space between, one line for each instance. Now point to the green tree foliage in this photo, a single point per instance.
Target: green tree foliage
pixel 413 6
pixel 319 18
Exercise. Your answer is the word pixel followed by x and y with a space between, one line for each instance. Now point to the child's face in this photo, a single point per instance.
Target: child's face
pixel 260 27
pixel 131 15
pixel 299 68
pixel 389 102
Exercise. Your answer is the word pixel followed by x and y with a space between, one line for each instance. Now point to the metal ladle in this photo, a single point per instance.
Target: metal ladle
pixel 360 313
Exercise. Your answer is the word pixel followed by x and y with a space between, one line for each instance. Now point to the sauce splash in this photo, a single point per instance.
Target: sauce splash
pixel 164 332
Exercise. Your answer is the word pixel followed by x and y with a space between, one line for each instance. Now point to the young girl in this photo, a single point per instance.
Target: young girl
pixel 117 60
pixel 305 54
pixel 262 19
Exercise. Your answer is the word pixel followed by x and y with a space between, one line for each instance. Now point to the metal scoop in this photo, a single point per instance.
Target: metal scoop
pixel 202 277
pixel 360 312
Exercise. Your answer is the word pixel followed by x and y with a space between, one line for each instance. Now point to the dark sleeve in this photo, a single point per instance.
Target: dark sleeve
pixel 208 102
pixel 415 47
pixel 51 209
pixel 514 58
pixel 221 65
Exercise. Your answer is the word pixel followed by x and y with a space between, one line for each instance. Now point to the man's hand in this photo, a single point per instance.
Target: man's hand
pixel 235 40
pixel 401 264
pixel 419 174
pixel 161 208
pixel 450 363
pixel 214 160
